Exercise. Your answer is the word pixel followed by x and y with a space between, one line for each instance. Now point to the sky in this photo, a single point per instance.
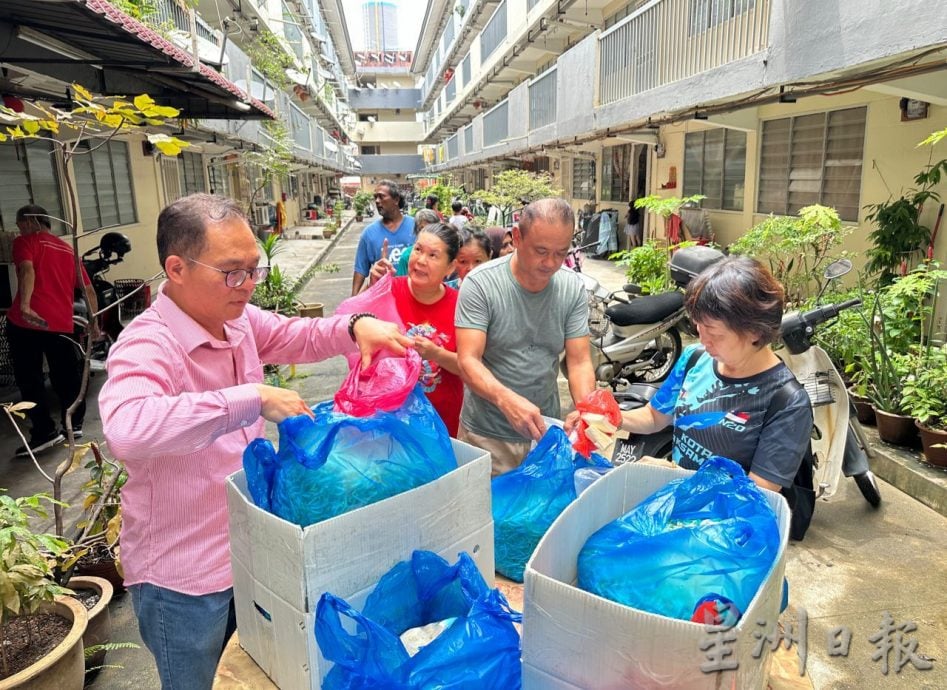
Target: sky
pixel 410 16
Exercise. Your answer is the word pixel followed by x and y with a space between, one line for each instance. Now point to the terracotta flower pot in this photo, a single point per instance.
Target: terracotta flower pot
pixel 896 428
pixel 99 630
pixel 863 409
pixel 63 667
pixel 929 439
pixel 314 310
pixel 105 569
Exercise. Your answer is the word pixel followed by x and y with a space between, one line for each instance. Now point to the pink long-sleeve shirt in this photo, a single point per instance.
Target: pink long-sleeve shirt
pixel 179 408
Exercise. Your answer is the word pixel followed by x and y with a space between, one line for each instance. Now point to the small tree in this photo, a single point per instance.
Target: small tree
pixel 273 161
pixel 511 188
pixel 27 559
pixel 796 248
pixel 89 125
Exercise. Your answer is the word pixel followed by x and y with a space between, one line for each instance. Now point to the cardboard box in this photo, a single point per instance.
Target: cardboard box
pixel 574 639
pixel 280 570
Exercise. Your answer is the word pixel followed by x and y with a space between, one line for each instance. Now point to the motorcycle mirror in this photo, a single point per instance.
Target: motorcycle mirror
pixel 837 269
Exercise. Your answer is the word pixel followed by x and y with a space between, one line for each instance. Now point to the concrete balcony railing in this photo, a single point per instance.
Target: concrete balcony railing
pixel 385 99
pixel 669 40
pixel 385 132
pixel 391 164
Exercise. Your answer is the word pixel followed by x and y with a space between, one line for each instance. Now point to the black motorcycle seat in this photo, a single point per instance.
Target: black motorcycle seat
pixel 647 309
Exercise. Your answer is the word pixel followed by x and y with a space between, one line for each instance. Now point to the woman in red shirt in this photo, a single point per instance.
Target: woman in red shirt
pixel 426 307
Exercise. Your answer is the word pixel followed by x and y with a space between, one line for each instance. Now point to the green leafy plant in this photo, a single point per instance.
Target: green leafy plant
pixel 27 559
pixel 924 394
pixel 666 206
pixel 268 55
pixel 645 266
pixel 899 238
pixel 361 201
pixel 796 248
pixel 510 187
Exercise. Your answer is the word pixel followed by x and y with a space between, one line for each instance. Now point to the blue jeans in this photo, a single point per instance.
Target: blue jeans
pixel 186 634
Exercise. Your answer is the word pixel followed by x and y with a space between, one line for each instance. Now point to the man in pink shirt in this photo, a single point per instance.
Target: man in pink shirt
pixel 183 399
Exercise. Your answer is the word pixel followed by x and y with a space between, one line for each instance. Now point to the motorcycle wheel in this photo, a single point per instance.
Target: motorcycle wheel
pixel 669 343
pixel 868 485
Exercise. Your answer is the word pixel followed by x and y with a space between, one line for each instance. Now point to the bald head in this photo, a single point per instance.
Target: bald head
pixel 553 210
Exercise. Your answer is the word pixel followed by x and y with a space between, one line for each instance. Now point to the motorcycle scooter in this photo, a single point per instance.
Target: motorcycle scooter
pixel 131 295
pixel 839 445
pixel 638 338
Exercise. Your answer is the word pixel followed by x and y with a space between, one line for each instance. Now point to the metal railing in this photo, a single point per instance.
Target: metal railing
pixel 299 123
pixel 468 140
pixel 169 12
pixel 669 40
pixel 496 124
pixel 450 91
pixel 451 145
pixel 493 33
pixel 465 70
pixel 542 99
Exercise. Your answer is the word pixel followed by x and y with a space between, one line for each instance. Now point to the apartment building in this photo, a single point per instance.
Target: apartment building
pixel 763 106
pixel 230 66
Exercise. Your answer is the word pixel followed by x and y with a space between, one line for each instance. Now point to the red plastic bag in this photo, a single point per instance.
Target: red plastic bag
pixel 384 385
pixel 600 401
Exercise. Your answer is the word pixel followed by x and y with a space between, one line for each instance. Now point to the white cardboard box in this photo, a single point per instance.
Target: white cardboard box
pixel 280 570
pixel 574 639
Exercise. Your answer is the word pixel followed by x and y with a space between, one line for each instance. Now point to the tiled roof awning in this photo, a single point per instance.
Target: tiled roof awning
pixel 93 43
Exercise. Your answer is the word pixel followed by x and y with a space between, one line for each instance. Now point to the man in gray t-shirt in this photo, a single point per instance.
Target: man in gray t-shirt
pixel 515 316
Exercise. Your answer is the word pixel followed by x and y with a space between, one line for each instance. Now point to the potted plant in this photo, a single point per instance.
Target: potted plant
pixel 361 201
pixel 898 237
pixel 96 542
pixel 33 606
pixel 925 399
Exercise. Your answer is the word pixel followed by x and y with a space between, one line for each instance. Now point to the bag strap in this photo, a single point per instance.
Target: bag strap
pixel 692 360
pixel 781 398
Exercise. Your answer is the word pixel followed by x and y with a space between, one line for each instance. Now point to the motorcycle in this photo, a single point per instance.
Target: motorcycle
pixel 112 318
pixel 638 338
pixel 839 445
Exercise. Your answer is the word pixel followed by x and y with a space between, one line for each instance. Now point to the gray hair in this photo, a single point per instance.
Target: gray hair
pixel 182 226
pixel 552 210
pixel 425 216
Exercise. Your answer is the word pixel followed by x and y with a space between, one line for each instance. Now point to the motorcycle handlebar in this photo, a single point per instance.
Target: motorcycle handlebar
pixel 830 311
pixel 797 328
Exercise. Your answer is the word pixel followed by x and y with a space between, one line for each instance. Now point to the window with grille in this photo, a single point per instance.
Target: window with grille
pixel 219 180
pixel 812 159
pixel 370 150
pixel 28 175
pixel 104 185
pixel 583 178
pixel 715 166
pixel 192 172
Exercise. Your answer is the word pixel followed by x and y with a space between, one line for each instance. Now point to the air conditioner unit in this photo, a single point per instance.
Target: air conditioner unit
pixel 261 215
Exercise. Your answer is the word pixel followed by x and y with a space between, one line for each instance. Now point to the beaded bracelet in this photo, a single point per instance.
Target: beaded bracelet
pixel 355 317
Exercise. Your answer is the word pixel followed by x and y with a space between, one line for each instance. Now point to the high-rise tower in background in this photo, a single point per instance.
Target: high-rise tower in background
pixel 380 24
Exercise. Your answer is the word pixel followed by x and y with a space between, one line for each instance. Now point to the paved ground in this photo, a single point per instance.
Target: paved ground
pixel 855 564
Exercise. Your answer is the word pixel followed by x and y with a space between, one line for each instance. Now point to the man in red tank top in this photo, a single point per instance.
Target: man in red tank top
pixel 39 324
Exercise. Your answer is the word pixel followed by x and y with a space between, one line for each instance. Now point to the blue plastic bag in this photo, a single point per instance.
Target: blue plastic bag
pixel 479 650
pixel 336 463
pixel 712 533
pixel 527 500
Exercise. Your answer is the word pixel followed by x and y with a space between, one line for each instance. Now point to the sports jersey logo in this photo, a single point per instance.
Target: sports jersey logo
pixel 735 420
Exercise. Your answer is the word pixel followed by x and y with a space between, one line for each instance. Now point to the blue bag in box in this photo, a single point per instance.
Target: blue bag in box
pixel 527 500
pixel 712 533
pixel 336 462
pixel 479 650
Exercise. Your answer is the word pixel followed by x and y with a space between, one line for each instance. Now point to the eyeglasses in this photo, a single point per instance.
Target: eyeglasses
pixel 238 276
